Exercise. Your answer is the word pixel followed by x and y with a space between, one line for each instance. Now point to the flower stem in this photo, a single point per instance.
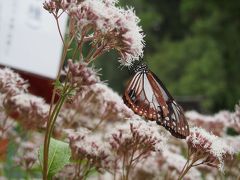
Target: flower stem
pixel 49 133
pixel 53 114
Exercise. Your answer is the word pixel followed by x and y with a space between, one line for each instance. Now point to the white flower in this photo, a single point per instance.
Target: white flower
pixel 213 148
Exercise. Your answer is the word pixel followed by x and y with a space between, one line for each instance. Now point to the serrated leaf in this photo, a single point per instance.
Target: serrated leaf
pixel 59 156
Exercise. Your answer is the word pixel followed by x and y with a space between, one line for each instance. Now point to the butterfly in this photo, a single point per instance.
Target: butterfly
pixel 146 95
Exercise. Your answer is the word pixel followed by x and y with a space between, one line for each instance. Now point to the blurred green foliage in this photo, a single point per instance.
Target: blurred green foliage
pixel 193 47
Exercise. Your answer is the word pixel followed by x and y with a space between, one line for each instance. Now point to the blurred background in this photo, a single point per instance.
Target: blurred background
pixel 192 46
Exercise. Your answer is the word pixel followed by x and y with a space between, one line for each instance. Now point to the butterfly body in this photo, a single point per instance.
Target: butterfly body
pixel 147 96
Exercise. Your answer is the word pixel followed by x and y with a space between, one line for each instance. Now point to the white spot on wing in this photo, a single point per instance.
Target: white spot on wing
pixel 148 89
pixel 164 94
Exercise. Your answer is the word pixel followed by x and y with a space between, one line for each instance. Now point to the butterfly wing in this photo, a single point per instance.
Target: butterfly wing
pixel 140 98
pixel 173 118
pixel 147 96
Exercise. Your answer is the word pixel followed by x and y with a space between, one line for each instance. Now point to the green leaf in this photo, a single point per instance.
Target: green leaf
pixel 72 93
pixel 58 84
pixel 59 156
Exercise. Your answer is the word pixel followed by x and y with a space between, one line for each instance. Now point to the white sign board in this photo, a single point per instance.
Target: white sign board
pixel 29 39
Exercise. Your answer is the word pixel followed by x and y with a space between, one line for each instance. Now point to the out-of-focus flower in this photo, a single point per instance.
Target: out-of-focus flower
pixel 6 123
pixel 115 28
pixel 7 127
pixel 72 119
pixel 27 152
pixel 11 82
pixel 26 155
pixel 29 110
pixel 101 102
pixel 235 118
pixel 216 123
pixel 81 75
pixel 206 148
pixel 68 172
pixel 172 164
pixel 148 168
pixel 88 149
pixel 53 6
pixel 234 142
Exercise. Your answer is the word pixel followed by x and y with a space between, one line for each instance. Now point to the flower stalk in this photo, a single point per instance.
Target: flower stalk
pixel 50 126
pixel 53 114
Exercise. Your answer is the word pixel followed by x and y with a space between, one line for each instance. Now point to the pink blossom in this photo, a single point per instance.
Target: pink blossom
pixel 26 155
pixel 118 28
pixel 234 142
pixel 88 147
pixel 104 103
pixel 136 133
pixel 216 123
pixel 235 118
pixel 72 119
pixel 53 6
pixel 11 82
pixel 68 172
pixel 149 168
pixel 131 143
pixel 29 110
pixel 81 74
pixel 172 163
pixel 208 148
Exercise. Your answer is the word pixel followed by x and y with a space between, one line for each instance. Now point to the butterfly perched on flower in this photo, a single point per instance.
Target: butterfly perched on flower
pixel 147 96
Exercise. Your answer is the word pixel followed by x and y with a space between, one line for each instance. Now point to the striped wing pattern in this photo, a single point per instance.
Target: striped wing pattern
pixel 147 96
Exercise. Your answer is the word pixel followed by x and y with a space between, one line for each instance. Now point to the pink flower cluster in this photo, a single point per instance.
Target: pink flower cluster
pixel 143 136
pixel 29 110
pixel 117 26
pixel 113 27
pixel 121 148
pixel 26 155
pixel 11 82
pixel 104 103
pixel 173 163
pixel 217 123
pixel 90 148
pixel 53 6
pixel 208 148
pixel 131 143
pixel 81 75
pixel 235 118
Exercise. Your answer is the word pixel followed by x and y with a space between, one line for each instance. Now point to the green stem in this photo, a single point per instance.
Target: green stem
pixel 53 114
pixel 49 130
